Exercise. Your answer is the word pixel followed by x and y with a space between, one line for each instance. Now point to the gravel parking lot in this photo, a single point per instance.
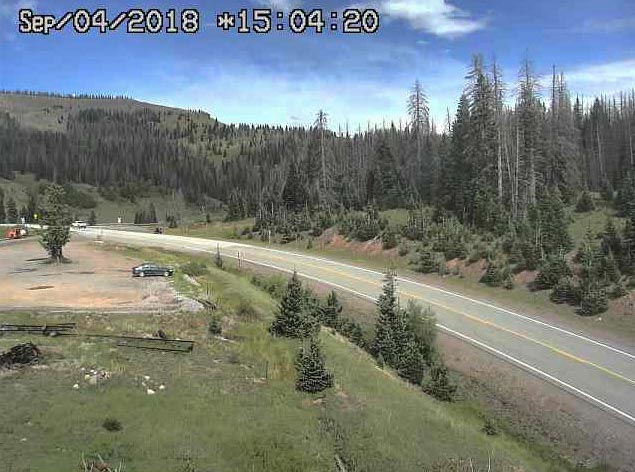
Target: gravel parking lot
pixel 93 280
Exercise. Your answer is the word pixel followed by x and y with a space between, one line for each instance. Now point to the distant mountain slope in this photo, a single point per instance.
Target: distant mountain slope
pixel 113 142
pixel 50 112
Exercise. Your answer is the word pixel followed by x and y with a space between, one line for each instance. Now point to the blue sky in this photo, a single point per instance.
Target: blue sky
pixel 282 78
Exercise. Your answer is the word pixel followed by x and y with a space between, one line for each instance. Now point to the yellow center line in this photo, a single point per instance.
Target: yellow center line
pixel 555 349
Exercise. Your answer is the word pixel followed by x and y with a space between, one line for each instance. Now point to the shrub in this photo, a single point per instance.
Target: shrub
pixel 566 290
pixel 585 203
pixel 552 270
pixel 497 274
pixel 438 384
pixel 171 221
pixel 214 327
pixel 428 262
pixel 618 290
pixel 389 239
pixel 490 427
pixel 312 374
pixel 402 250
pixel 531 255
pixel 246 310
pixel 194 268
pixel 594 301
pixel 112 425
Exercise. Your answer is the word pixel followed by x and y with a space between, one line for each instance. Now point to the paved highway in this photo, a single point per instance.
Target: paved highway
pixel 600 373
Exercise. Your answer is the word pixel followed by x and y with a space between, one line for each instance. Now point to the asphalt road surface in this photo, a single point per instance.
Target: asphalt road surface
pixel 602 374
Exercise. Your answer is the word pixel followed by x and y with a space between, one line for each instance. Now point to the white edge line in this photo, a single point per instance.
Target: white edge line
pixel 512 359
pixel 448 292
pixel 430 287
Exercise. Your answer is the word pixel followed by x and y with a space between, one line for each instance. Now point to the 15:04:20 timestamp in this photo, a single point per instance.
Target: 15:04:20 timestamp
pixel 264 20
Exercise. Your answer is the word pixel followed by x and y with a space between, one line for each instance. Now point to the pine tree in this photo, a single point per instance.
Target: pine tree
pixel 3 215
pixel 152 214
pixel 553 222
pixel 32 207
pixel 422 323
pixel 528 138
pixel 438 383
pixel 293 194
pixel 293 320
pixel 12 211
pixel 482 152
pixel 585 203
pixel 419 116
pixel 456 170
pixel 594 300
pixel 566 291
pixel 385 343
pixel 552 270
pixel 312 374
pixel 496 274
pixel 56 217
pixel 23 215
pixel 428 261
pixel 330 312
pixel 394 339
pixel 611 240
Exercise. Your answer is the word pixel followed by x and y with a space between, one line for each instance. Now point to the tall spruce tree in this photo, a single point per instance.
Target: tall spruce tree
pixel 481 147
pixel 395 342
pixel 292 319
pixel 385 342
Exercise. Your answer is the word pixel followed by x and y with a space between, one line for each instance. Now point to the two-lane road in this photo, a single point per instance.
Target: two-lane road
pixel 601 374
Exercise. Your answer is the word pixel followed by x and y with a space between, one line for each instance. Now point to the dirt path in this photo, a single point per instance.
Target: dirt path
pixel 93 280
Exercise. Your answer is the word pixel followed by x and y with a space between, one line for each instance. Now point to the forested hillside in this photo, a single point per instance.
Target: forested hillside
pixel 496 161
pixel 493 183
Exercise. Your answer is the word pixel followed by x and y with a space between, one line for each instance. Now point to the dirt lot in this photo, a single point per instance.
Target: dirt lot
pixel 94 280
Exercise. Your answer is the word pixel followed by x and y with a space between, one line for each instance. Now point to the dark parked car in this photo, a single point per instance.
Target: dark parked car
pixel 150 268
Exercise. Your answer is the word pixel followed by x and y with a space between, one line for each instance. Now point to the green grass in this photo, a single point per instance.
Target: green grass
pixel 594 221
pixel 228 406
pixel 396 217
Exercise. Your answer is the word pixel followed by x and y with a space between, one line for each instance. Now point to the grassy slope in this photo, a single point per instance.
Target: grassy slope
pixel 217 412
pixel 51 114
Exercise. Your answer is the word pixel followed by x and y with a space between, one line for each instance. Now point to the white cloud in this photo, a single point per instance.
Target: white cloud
pixel 9 10
pixel 280 5
pixel 238 93
pixel 607 78
pixel 9 17
pixel 437 17
pixel 608 26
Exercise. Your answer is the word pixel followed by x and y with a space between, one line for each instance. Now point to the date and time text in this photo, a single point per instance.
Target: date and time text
pixel 192 21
